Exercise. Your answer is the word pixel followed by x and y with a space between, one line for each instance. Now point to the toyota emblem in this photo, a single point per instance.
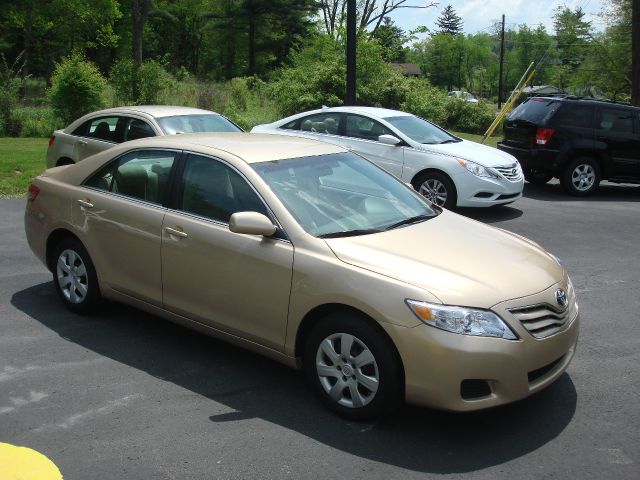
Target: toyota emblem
pixel 561 298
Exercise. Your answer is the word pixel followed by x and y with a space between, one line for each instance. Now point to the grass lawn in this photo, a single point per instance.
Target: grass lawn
pixel 491 141
pixel 21 159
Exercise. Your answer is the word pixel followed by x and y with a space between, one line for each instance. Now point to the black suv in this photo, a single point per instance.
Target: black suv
pixel 580 141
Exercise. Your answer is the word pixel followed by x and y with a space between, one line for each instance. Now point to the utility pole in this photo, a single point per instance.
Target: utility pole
pixel 501 63
pixel 635 53
pixel 350 97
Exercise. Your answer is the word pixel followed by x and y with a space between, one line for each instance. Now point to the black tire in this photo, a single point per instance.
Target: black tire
pixel 76 286
pixel 581 177
pixel 537 178
pixel 385 367
pixel 431 184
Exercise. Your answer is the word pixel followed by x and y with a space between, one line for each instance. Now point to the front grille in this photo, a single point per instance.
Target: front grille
pixel 512 173
pixel 543 320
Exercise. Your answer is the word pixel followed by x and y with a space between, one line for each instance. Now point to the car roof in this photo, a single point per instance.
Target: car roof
pixel 370 111
pixel 596 101
pixel 155 110
pixel 250 147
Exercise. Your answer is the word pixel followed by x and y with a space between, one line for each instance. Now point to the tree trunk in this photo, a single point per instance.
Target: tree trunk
pixel 635 53
pixel 252 40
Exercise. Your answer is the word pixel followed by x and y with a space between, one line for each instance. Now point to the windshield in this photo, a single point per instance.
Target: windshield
pixel 196 124
pixel 342 194
pixel 420 130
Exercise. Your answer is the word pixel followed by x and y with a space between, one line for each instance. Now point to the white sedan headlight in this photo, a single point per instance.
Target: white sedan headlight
pixel 477 169
pixel 463 320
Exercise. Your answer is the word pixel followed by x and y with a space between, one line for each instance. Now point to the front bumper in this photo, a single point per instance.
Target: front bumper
pixel 474 191
pixel 436 363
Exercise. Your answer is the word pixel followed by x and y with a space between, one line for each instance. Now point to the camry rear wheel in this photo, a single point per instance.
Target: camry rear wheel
pixel 74 277
pixel 353 367
pixel 437 188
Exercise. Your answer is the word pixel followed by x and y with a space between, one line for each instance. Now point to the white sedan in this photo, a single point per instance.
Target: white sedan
pixel 448 170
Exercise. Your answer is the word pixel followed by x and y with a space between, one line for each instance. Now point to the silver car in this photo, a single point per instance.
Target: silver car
pixel 104 129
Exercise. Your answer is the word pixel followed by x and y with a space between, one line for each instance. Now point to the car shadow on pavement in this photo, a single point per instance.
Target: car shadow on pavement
pixel 252 386
pixel 607 192
pixel 496 214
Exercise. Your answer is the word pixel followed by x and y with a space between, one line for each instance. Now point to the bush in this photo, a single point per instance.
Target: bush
pixel 152 83
pixel 469 117
pixel 10 84
pixel 37 121
pixel 77 88
pixel 427 102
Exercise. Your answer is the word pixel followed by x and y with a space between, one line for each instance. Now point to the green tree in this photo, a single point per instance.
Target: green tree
pixel 573 33
pixel 449 21
pixel 392 39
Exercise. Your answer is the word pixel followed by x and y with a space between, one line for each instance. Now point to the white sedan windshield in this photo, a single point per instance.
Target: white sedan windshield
pixel 420 130
pixel 342 194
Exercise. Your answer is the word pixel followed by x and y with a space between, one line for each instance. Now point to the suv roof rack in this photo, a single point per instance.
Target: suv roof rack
pixel 593 99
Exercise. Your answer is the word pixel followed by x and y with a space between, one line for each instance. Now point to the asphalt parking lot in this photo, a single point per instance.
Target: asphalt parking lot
pixel 125 395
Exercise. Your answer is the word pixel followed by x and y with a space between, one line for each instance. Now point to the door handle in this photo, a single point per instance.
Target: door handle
pixel 85 203
pixel 176 233
pixel 82 142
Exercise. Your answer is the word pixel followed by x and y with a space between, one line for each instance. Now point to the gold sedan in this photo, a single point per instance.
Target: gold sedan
pixel 315 257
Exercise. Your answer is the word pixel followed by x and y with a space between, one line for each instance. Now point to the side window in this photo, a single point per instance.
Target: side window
pixel 102 128
pixel 322 123
pixel 572 115
pixel 143 174
pixel 365 128
pixel 214 190
pixel 616 120
pixel 136 128
pixel 291 125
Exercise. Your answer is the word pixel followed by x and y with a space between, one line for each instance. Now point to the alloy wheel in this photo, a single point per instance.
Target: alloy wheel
pixel 435 191
pixel 583 177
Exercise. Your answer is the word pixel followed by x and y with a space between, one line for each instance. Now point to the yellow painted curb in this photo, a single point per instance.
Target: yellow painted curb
pixel 22 463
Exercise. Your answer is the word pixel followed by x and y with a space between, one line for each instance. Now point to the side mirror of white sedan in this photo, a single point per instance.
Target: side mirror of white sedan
pixel 389 140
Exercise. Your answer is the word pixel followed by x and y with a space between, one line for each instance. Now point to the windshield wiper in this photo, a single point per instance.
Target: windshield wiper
pixel 350 233
pixel 409 221
pixel 451 140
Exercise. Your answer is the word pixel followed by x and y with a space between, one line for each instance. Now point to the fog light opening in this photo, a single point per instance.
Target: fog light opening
pixel 474 389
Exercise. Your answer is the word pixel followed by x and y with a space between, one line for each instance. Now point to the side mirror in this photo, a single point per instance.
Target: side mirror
pixel 389 140
pixel 251 223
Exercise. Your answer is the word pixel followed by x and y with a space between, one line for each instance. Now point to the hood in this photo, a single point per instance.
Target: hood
pixel 460 261
pixel 476 152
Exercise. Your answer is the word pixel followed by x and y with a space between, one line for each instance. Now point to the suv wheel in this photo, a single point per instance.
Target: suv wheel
pixel 537 178
pixel 581 176
pixel 352 367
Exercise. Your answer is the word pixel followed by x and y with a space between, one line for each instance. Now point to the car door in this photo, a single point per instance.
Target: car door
pixel 120 210
pixel 361 135
pixel 96 135
pixel 233 282
pixel 617 128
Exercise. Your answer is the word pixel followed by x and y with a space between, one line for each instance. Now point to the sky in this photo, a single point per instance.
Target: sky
pixel 480 15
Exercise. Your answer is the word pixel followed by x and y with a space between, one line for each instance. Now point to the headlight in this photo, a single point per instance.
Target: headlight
pixel 466 321
pixel 477 169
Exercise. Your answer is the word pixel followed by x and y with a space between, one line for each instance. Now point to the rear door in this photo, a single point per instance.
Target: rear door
pixel 617 128
pixel 96 135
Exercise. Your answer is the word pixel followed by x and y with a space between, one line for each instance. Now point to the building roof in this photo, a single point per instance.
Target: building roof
pixel 409 69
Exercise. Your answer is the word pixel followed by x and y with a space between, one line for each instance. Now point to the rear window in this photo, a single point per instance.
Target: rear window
pixel 535 110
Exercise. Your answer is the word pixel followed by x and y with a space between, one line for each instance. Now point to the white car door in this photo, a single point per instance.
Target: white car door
pixel 361 136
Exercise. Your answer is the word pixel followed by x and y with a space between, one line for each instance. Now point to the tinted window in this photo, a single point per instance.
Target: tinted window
pixel 214 190
pixel 103 128
pixel 143 174
pixel 572 115
pixel 362 127
pixel 196 123
pixel 535 110
pixel 137 129
pixel 321 123
pixel 290 126
pixel 616 120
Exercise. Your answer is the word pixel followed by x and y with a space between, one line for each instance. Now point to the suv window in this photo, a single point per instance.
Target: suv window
pixel 102 128
pixel 214 190
pixel 142 174
pixel 573 115
pixel 616 120
pixel 535 110
pixel 321 123
pixel 363 127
